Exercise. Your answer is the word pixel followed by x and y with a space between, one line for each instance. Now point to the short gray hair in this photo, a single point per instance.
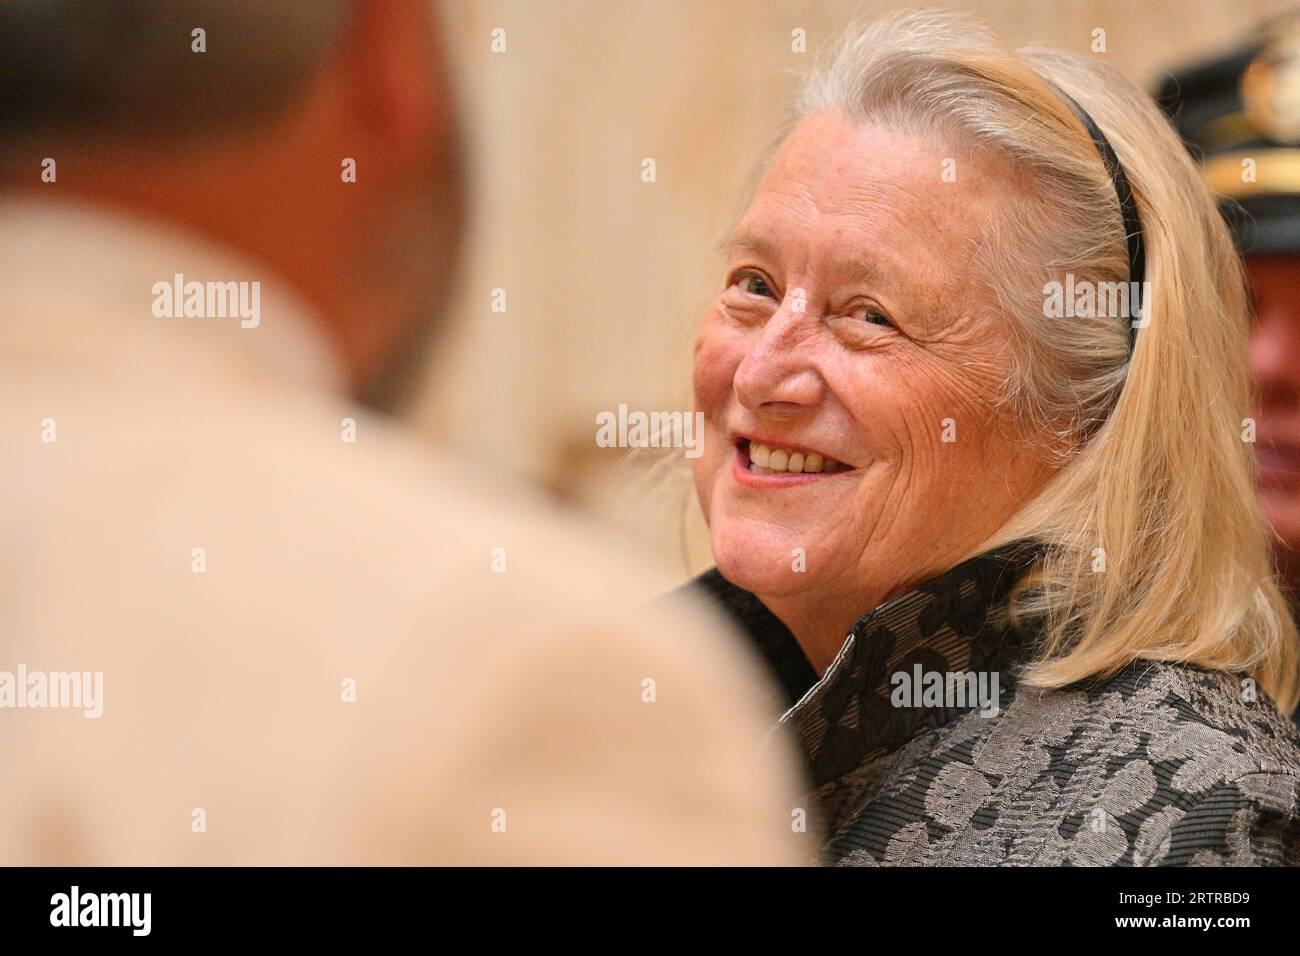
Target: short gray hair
pixel 128 67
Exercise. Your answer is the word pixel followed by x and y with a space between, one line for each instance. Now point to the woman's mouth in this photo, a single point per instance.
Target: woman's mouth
pixel 781 462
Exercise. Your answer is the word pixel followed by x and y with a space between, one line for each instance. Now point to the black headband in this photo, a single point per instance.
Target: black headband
pixel 1137 260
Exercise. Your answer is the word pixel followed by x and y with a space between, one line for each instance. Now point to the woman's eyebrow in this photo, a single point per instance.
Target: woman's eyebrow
pixel 860 268
pixel 743 240
pixel 869 270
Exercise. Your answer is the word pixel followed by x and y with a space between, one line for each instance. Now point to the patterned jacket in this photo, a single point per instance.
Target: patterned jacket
pixel 1161 765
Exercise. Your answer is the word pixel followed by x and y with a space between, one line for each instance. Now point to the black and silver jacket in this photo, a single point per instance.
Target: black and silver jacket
pixel 1163 764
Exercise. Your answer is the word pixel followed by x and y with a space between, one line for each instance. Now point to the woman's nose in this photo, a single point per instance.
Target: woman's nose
pixel 776 374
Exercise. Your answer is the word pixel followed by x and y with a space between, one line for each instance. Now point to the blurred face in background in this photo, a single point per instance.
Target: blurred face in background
pixel 1275 365
pixel 250 145
pixel 848 371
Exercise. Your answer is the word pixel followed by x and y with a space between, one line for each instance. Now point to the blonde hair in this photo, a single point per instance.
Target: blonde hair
pixel 1157 550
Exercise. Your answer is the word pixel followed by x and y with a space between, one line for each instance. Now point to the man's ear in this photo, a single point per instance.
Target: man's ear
pixel 394 83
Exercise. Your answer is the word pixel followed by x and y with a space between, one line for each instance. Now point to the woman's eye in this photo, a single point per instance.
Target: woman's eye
pixel 754 284
pixel 872 315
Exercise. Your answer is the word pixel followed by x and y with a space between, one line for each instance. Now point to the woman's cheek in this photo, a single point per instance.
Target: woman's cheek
pixel 717 355
pixel 716 359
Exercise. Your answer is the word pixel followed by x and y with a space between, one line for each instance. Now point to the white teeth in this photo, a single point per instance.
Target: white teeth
pixel 767 460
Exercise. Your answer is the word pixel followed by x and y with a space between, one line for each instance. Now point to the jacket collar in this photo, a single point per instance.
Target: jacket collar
pixel 869 702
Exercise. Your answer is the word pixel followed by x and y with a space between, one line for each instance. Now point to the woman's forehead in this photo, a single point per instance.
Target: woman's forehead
pixel 865 204
pixel 861 183
pixel 832 133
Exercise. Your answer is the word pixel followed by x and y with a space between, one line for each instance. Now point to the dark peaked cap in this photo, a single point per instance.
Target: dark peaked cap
pixel 1239 114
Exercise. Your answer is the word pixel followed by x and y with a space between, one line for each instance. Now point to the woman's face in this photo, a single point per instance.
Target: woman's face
pixel 851 328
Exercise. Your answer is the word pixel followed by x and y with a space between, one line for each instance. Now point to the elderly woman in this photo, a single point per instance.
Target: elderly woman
pixel 987 512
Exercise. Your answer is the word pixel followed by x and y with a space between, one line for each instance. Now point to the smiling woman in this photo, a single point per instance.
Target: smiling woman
pixel 913 465
pixel 896 336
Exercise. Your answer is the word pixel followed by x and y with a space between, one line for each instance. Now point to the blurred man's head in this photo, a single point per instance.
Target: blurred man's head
pixel 245 122
pixel 1240 115
pixel 1275 363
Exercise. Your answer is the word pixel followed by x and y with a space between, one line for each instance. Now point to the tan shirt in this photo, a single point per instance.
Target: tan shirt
pixel 315 650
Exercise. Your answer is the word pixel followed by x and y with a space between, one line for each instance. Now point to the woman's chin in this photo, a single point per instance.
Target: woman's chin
pixel 759 558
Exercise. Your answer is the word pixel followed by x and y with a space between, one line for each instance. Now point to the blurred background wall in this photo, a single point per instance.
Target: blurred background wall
pixel 604 274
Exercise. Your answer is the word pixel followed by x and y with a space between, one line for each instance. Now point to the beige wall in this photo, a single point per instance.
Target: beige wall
pixel 604 274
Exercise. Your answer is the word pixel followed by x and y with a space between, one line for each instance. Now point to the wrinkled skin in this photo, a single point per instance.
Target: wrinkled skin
pixel 851 322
